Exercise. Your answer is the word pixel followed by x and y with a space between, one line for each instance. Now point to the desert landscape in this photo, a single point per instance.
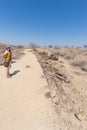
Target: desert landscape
pixel 47 90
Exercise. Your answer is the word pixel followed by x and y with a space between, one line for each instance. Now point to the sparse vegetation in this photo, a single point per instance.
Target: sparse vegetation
pixel 17 51
pixel 65 79
pixel 66 71
pixel 78 61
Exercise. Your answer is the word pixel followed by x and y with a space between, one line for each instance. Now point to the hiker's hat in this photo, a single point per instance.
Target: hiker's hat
pixel 8 46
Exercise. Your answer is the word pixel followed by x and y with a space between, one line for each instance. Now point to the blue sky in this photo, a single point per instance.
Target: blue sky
pixel 45 22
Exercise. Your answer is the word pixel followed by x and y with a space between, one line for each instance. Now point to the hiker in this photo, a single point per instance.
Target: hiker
pixel 7 58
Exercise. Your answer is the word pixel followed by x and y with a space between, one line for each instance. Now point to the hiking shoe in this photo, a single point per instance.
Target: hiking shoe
pixel 9 76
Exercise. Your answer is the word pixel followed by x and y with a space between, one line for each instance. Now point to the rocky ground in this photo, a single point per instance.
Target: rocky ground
pixel 66 73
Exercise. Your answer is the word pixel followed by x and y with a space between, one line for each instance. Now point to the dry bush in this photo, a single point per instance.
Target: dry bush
pixel 34 46
pixel 17 51
pixel 68 55
pixel 61 52
pixel 78 61
pixel 2 49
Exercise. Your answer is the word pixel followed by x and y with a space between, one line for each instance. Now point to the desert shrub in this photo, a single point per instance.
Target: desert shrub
pixel 68 55
pixel 85 46
pixel 17 52
pixel 78 61
pixel 50 46
pixel 34 46
pixel 66 52
pixel 61 52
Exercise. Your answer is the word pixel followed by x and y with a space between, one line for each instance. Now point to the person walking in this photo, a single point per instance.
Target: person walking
pixel 7 58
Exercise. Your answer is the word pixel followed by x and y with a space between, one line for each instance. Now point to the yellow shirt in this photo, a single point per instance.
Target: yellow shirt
pixel 7 55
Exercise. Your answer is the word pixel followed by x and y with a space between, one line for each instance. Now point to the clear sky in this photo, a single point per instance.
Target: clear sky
pixel 45 22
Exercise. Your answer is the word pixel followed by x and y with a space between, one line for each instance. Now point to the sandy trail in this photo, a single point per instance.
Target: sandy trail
pixel 23 105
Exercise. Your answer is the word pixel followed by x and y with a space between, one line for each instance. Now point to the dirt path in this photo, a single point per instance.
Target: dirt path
pixel 23 105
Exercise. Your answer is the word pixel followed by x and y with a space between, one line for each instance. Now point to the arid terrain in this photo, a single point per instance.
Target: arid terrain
pixel 48 90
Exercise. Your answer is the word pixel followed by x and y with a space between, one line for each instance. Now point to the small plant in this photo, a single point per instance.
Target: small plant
pixel 68 55
pixel 78 61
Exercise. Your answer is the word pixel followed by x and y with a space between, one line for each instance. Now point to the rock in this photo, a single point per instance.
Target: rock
pixel 48 94
pixel 27 66
pixel 53 94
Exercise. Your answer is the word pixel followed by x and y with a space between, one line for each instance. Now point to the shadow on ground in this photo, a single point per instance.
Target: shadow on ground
pixel 15 72
pixel 13 62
